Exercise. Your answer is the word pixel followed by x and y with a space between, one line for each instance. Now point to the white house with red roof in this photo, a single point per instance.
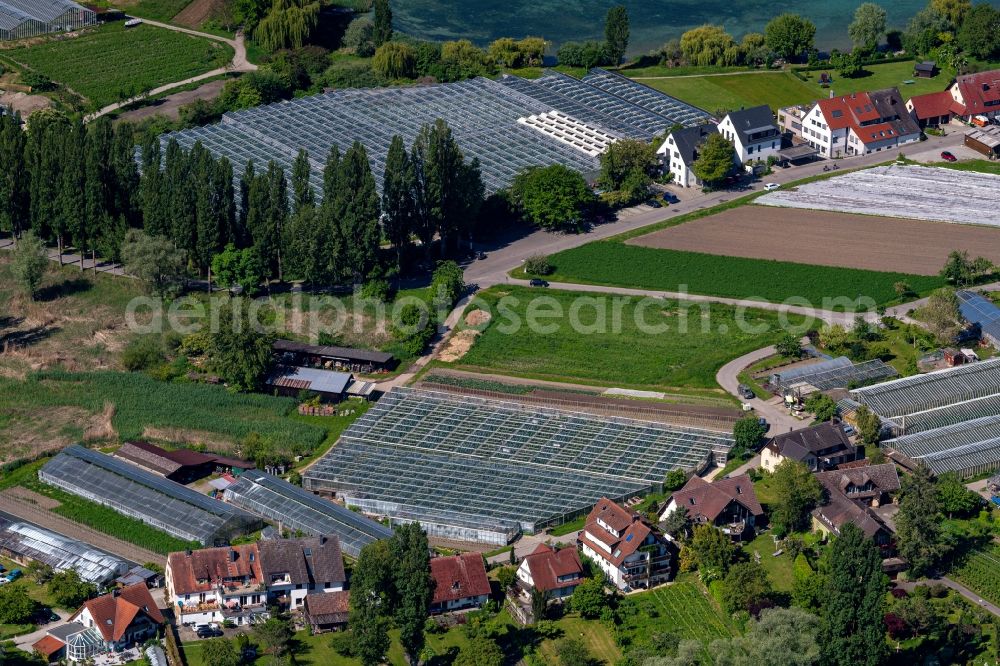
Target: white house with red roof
pixel 967 96
pixel 556 573
pixel 859 123
pixel 460 582
pixel 113 622
pixel 629 550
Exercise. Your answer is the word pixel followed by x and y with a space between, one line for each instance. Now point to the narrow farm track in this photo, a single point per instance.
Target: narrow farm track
pixel 33 513
pixel 239 63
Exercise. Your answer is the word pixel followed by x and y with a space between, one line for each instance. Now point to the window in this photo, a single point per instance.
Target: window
pixel 692 501
pixel 750 150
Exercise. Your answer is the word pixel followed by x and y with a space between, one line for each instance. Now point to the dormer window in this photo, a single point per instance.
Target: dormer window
pixel 692 501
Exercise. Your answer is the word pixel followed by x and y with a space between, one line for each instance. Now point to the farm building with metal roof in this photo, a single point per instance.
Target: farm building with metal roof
pixel 29 18
pixel 968 448
pixel 24 542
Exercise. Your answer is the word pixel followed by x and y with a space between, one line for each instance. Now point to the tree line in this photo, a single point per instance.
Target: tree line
pixel 83 186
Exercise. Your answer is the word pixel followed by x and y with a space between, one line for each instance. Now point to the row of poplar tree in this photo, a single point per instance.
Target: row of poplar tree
pixel 82 185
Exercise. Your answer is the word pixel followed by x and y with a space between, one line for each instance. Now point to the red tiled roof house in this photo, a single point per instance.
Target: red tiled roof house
pixel 216 584
pixel 556 573
pixel 459 582
pixel 629 550
pixel 967 96
pixel 112 622
pixel 859 495
pixel 729 504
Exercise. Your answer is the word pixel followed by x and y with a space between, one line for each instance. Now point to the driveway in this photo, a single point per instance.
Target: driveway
pixel 25 641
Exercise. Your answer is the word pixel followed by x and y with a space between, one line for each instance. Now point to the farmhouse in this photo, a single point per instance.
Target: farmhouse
pixel 180 465
pixel 820 447
pixel 293 568
pixel 105 624
pixel 216 584
pixel 331 386
pixel 327 612
pixel 460 582
pixel 729 504
pixel 967 96
pixel 858 495
pixel 330 357
pixel 628 549
pixel 753 133
pixel 858 124
pixel 680 150
pixel 555 573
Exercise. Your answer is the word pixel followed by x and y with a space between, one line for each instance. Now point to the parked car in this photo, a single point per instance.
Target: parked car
pixel 771 186
pixel 948 157
pixel 536 282
pixel 14 575
pixel 746 392
pixel 849 430
pixel 205 631
pixel 481 255
pixel 764 424
pixel 670 197
pixel 654 203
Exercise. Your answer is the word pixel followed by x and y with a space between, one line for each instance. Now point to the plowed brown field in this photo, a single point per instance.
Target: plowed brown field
pixel 828 239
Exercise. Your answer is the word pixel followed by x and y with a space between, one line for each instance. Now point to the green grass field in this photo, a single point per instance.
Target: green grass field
pixel 981 166
pixel 733 91
pixel 778 89
pixel 691 343
pixel 141 402
pixel 110 63
pixel 614 263
pixel 158 10
pixel 779 569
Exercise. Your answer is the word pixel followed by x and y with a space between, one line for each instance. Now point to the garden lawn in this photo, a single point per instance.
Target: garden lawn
pixel 614 263
pixel 877 77
pixel 693 342
pixel 982 166
pixel 39 593
pixel 110 63
pixel 779 569
pixel 733 91
pixel 140 403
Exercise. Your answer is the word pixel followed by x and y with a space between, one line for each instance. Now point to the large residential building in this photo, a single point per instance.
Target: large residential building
pixel 109 623
pixel 730 504
pixel 216 584
pixel 460 582
pixel 967 96
pixel 629 550
pixel 855 124
pixel 858 495
pixel 820 447
pixel 680 150
pixel 237 582
pixel 753 133
pixel 293 568
pixel 555 573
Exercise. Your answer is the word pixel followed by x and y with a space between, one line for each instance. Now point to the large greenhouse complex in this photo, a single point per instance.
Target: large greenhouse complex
pixel 477 469
pixel 30 18
pixel 296 509
pixel 508 125
pixel 129 490
pixel 24 542
pixel 947 419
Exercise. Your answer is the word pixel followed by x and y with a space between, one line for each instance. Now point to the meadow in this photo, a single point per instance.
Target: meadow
pixel 614 263
pixel 91 64
pixel 692 343
pixel 142 406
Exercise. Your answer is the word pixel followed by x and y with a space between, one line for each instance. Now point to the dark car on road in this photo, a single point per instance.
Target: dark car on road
pixel 670 197
pixel 654 203
pixel 536 282
pixel 746 392
pixel 948 157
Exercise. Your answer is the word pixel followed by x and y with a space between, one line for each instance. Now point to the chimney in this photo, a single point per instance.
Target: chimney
pixel 187 552
pixel 115 592
pixel 322 540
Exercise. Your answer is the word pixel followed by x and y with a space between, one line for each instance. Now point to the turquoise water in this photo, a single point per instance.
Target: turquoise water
pixel 653 21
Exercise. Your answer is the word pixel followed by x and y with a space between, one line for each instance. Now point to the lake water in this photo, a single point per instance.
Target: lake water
pixel 653 21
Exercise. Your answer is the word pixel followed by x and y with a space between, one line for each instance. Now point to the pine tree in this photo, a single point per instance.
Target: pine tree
pixel 382 23
pixel 397 197
pixel 853 628
pixel 356 209
pixel 302 191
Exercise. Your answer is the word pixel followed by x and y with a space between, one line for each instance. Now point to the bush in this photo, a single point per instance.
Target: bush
pixel 142 353
pixel 538 264
pixel 377 290
pixel 351 74
pixel 342 642
pixel 37 82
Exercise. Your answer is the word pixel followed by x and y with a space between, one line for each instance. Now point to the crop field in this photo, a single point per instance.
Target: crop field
pixel 684 346
pixel 732 91
pixel 142 406
pixel 827 238
pixel 908 191
pixel 981 573
pixel 614 263
pixel 92 64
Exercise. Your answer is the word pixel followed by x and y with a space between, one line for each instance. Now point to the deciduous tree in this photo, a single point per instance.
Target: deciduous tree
pixel 593 601
pixel 790 35
pixel 616 32
pixel 918 522
pixel 781 637
pixel 154 260
pixel 955 498
pixel 381 22
pixel 240 352
pixel 414 586
pixel 715 159
pixel 553 197
pixel 220 652
pixel 796 492
pixel 712 549
pixel 69 590
pixel 30 261
pixel 709 45
pixel 395 60
pixel 398 204
pixel 371 600
pixel 745 587
pixel 16 607
pixel 868 27
pixel 979 35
